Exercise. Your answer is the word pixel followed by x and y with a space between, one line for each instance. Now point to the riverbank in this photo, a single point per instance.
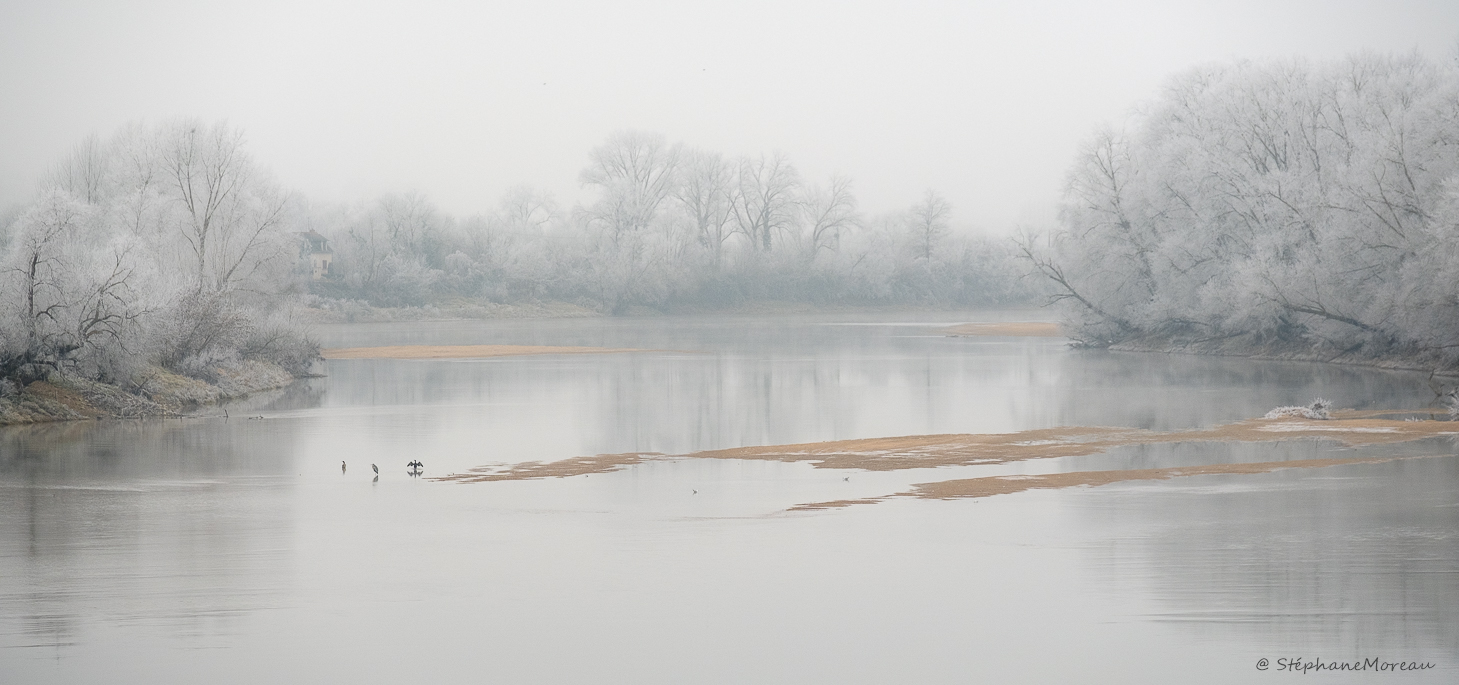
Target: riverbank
pixel 1251 347
pixel 1016 329
pixel 159 393
pixel 324 310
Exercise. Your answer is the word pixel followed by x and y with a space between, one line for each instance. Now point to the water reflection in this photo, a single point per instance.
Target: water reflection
pixel 124 545
pixel 1344 561
pixel 176 524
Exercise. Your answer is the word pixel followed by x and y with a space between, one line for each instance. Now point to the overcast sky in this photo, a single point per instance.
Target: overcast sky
pixel 984 102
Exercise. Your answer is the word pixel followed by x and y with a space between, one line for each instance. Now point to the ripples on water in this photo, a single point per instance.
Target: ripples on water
pixel 235 551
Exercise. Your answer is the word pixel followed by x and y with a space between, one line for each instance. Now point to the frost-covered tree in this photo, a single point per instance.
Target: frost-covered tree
pixel 1289 201
pixel 705 193
pixel 927 225
pixel 669 228
pixel 229 214
pixel 161 244
pixel 766 198
pixel 635 174
pixel 69 291
pixel 827 213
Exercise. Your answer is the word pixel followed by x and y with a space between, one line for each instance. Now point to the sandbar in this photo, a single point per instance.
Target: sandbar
pixel 966 449
pixel 1025 329
pixel 931 451
pixel 461 351
pixel 989 486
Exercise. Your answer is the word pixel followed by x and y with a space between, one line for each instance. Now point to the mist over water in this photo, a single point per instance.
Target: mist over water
pixel 236 551
pixel 191 202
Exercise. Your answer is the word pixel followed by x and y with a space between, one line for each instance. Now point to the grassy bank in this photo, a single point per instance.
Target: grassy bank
pixel 156 393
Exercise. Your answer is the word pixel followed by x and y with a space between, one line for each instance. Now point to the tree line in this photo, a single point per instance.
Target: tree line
pixel 168 245
pixel 670 228
pixel 1288 204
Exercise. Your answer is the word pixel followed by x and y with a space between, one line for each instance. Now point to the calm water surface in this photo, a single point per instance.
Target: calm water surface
pixel 235 551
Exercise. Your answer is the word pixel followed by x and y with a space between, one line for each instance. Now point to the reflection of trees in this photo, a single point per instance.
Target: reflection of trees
pixel 1170 392
pixel 122 521
pixel 153 449
pixel 767 383
pixel 303 394
pixel 754 383
pixel 1351 561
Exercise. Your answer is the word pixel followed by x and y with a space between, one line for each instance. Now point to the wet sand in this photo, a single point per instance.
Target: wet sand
pixel 531 470
pixel 930 451
pixel 461 351
pixel 1005 485
pixel 1026 329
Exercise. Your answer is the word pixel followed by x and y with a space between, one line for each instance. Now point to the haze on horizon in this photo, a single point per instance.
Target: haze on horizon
pixel 984 102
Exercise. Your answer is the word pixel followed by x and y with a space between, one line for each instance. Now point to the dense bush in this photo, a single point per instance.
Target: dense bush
pixel 161 245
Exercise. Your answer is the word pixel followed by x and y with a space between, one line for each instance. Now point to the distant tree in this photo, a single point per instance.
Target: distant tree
pixel 232 216
pixel 765 199
pixel 413 226
pixel 635 172
pixel 512 245
pixel 828 212
pixel 86 172
pixel 524 208
pixel 927 222
pixel 706 193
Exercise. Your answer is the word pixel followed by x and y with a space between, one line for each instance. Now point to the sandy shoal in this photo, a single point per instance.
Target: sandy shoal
pixel 461 351
pixel 989 486
pixel 1027 329
pixel 925 452
pixel 930 451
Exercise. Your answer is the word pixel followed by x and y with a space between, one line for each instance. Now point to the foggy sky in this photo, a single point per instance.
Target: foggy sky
pixel 985 102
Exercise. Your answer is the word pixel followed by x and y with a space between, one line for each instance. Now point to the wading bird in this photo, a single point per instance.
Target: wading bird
pixel 341 467
pixel 376 468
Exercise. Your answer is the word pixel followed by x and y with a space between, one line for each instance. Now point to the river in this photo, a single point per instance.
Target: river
pixel 234 549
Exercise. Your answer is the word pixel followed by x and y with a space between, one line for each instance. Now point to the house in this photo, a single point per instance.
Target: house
pixel 316 248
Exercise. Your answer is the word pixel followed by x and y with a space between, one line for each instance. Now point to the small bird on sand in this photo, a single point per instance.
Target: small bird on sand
pixel 341 467
pixel 376 468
